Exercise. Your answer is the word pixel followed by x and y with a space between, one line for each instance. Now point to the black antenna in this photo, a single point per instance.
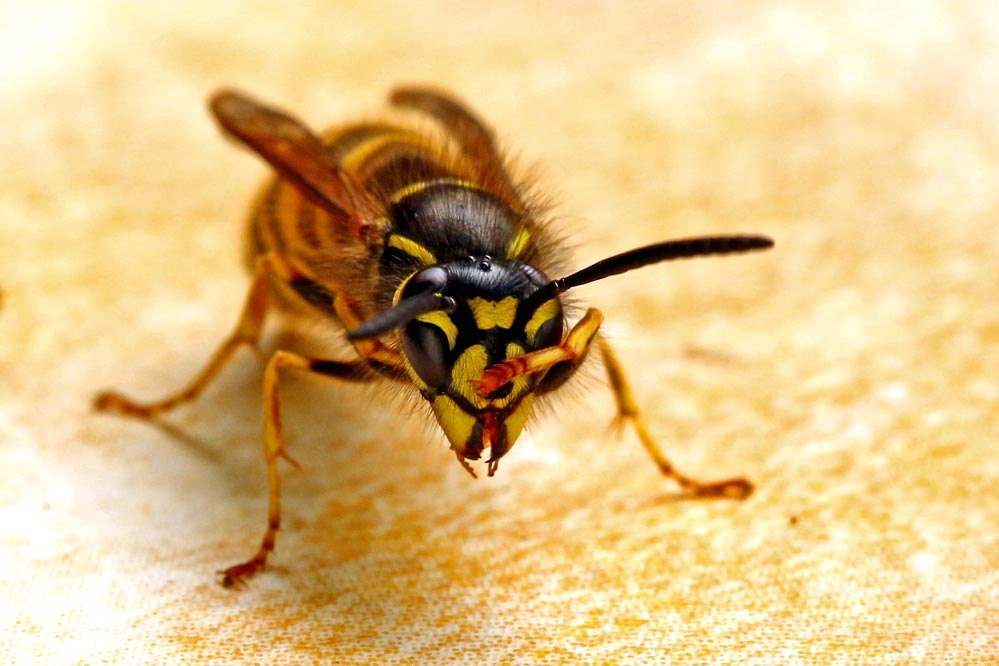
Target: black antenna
pixel 652 254
pixel 412 307
pixel 401 313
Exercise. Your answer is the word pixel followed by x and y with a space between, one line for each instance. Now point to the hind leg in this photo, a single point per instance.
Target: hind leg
pixel 247 332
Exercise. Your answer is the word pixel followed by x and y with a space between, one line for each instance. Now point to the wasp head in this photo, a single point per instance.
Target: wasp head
pixel 488 319
pixel 459 318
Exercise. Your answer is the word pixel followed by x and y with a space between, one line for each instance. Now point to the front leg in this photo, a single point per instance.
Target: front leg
pixel 370 349
pixel 571 352
pixel 627 410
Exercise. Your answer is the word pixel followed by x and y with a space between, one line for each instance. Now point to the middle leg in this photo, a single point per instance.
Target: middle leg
pixel 274 445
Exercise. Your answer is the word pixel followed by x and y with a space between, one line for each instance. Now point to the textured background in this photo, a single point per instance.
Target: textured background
pixel 853 372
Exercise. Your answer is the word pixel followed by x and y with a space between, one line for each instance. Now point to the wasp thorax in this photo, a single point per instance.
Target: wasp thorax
pixel 489 318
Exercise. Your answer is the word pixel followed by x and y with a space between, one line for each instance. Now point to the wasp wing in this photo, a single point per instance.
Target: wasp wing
pixel 295 152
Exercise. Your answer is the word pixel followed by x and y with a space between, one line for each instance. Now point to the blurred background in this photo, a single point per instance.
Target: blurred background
pixel 852 372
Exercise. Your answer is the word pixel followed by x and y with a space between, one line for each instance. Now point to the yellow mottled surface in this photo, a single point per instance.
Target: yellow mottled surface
pixel 852 372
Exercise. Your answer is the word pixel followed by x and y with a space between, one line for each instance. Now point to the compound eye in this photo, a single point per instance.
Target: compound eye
pixel 425 346
pixel 549 333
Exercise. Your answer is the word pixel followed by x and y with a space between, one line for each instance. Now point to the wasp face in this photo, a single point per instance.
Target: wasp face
pixel 448 350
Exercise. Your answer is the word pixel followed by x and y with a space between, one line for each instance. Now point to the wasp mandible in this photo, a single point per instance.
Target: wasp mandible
pixel 436 263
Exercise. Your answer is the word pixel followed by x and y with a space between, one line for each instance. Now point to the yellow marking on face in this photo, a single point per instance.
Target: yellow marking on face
pixel 419 186
pixel 493 314
pixel 545 311
pixel 516 419
pixel 518 243
pixel 454 421
pixel 468 368
pixel 442 321
pixel 413 249
pixel 365 149
pixel 457 424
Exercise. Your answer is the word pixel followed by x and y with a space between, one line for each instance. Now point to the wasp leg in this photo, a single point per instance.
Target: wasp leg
pixel 471 134
pixel 566 358
pixel 627 410
pixel 570 350
pixel 274 445
pixel 368 349
pixel 247 332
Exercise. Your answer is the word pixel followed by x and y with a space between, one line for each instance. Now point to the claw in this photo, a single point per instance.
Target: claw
pixel 284 454
pixel 236 576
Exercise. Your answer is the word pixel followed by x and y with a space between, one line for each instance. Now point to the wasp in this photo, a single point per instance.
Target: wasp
pixel 417 242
